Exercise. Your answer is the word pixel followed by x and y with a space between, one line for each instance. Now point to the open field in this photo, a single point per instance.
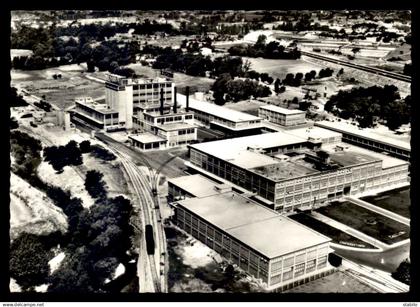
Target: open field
pixel 335 234
pixel 278 68
pixel 337 282
pixel 372 224
pixel 397 201
pixel 60 92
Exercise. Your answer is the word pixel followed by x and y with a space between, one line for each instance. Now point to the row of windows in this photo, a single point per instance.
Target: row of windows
pixel 185 131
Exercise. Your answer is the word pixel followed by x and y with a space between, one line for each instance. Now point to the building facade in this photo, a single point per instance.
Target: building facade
pixel 380 143
pixel 296 177
pixel 255 240
pixel 282 116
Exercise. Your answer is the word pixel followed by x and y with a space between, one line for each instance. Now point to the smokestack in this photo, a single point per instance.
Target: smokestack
pixel 161 101
pixel 175 106
pixel 187 96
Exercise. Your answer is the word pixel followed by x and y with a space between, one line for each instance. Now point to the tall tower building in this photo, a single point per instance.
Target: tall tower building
pixel 119 97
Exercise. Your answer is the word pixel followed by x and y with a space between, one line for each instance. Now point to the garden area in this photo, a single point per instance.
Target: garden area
pixel 397 201
pixel 370 223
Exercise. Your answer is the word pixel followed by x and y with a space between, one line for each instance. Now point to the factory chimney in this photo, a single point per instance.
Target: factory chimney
pixel 187 97
pixel 175 106
pixel 161 101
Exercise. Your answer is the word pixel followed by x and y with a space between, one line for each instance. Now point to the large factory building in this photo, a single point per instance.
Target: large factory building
pixel 256 239
pixel 290 170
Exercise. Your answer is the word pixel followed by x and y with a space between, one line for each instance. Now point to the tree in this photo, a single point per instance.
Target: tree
pixel 261 40
pixel 95 185
pixel 355 50
pixel 85 146
pixel 29 260
pixel 277 86
pixel 402 273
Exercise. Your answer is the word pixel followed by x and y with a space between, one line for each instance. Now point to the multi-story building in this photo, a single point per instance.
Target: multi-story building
pixel 232 122
pixel 126 95
pixel 398 148
pixel 253 237
pixel 176 127
pixel 123 98
pixel 282 116
pixel 286 171
pixel 96 114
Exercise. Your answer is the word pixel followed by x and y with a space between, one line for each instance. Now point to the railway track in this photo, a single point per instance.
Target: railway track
pixel 377 71
pixel 151 213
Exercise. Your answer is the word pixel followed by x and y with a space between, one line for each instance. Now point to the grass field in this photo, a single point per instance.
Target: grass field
pixel 372 224
pixel 396 201
pixel 280 68
pixel 60 92
pixel 335 234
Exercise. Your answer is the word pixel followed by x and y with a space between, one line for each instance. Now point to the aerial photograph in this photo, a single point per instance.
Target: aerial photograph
pixel 198 151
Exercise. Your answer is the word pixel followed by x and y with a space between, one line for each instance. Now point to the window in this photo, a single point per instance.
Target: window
pixel 300 269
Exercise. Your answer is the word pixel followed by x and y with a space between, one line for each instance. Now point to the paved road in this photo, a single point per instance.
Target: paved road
pixel 377 279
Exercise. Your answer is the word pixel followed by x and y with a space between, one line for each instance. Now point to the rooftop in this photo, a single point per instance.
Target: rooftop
pixel 236 150
pixel 99 107
pixel 146 137
pixel 281 110
pixel 197 185
pixel 314 133
pixel 355 154
pixel 211 108
pixel 253 224
pixel 175 126
pixel 370 134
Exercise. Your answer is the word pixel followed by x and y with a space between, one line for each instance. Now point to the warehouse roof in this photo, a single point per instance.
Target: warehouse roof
pixel 260 228
pixel 236 150
pixel 314 133
pixel 213 109
pixel 281 110
pixel 368 134
pixel 197 185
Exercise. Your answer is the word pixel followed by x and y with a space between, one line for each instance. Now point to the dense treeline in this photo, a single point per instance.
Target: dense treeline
pixel 367 104
pixel 61 156
pixel 272 50
pixel 15 99
pixel 97 239
pixel 225 88
pixel 29 256
pixel 199 65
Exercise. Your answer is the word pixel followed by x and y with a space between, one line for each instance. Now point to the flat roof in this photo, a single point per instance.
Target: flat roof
pixel 219 111
pixel 281 110
pixel 98 107
pixel 175 126
pixel 355 154
pixel 314 133
pixel 197 185
pixel 367 133
pixel 260 228
pixel 236 150
pixel 146 137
